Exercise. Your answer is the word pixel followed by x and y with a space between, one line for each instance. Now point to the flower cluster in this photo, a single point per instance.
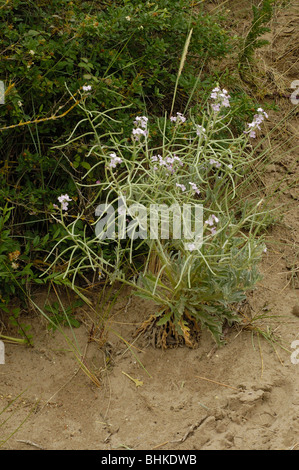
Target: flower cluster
pixel 64 199
pixel 211 221
pixel 140 127
pixel 194 187
pixel 182 186
pixel 86 88
pixel 178 118
pixel 255 124
pixel 221 98
pixel 115 160
pixel 168 162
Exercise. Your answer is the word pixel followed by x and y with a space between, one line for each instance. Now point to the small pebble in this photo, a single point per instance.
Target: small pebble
pixel 295 310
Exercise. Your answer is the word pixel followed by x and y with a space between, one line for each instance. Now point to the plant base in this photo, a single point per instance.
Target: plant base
pixel 166 336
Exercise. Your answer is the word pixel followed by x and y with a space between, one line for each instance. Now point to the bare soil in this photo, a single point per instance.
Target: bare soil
pixel 241 396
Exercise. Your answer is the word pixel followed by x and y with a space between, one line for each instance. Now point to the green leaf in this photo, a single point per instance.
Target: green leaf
pixel 86 165
pixel 164 319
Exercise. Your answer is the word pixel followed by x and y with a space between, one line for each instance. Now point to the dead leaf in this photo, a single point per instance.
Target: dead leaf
pixel 137 382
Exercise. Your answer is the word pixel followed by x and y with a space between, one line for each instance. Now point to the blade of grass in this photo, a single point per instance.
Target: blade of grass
pixel 183 59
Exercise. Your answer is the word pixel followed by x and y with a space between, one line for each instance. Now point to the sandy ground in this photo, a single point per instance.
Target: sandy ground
pixel 241 396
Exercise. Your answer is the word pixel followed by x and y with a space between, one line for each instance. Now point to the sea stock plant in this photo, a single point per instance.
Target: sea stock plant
pixel 195 161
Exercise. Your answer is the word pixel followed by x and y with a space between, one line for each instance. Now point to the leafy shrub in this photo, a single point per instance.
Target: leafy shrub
pixel 60 316
pixel 16 263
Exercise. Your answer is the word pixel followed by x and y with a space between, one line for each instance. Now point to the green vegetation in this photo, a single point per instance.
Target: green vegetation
pixel 77 75
pixel 262 14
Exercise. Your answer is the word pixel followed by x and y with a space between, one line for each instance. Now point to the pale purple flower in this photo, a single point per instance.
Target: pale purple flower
pixel 179 117
pixel 162 162
pixel 255 124
pixel 194 187
pixel 86 87
pixel 141 127
pixel 221 98
pixel 225 98
pixel 215 92
pixel 212 219
pixel 258 119
pixel 225 103
pixel 216 107
pixel 173 159
pixel 142 121
pixel 139 131
pixel 114 160
pixel 183 188
pixel 261 111
pixel 158 158
pixel 64 199
pixel 168 162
